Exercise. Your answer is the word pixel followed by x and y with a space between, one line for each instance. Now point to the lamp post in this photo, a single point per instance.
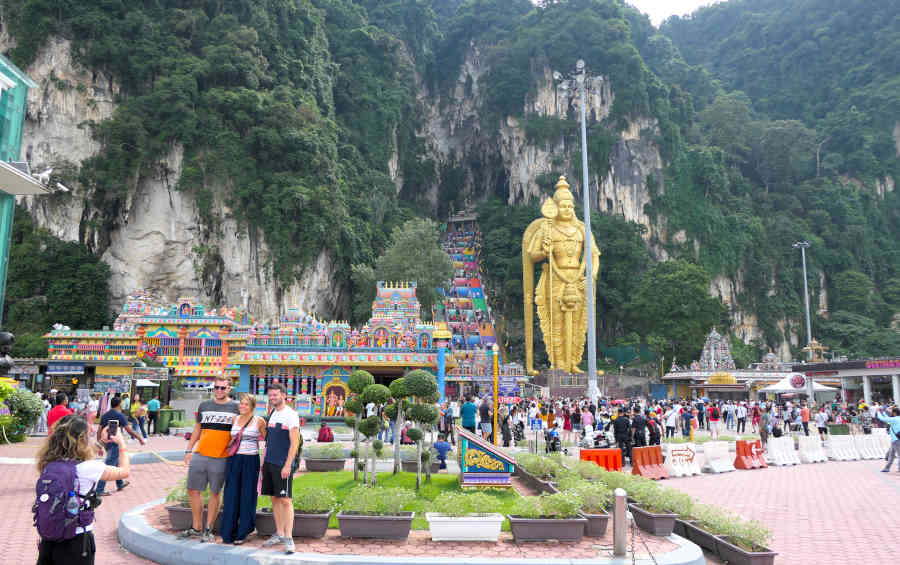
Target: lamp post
pixel 581 80
pixel 496 350
pixel 802 245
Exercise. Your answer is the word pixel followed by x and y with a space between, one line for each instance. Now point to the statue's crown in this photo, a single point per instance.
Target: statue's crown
pixel 562 190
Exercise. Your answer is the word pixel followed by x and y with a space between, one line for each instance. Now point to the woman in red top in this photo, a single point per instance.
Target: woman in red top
pixel 567 424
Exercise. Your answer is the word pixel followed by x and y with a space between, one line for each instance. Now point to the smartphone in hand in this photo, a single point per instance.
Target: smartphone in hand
pixel 113 427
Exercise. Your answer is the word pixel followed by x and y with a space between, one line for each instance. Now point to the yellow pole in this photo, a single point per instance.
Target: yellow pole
pixel 496 387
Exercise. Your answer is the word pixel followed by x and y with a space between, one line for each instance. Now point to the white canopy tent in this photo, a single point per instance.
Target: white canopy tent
pixel 785 386
pixel 144 382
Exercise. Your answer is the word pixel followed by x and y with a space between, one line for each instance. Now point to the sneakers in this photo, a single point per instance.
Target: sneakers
pixel 189 533
pixel 124 484
pixel 207 536
pixel 289 545
pixel 885 470
pixel 274 540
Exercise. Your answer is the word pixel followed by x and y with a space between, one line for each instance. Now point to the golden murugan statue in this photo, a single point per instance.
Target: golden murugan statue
pixel 558 237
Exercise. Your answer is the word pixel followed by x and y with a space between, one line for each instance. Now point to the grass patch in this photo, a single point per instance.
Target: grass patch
pixel 341 482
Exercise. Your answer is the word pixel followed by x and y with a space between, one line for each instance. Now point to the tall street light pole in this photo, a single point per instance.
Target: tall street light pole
pixel 802 245
pixel 593 391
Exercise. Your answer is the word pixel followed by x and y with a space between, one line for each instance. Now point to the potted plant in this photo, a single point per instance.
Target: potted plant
pixel 656 507
pixel 537 472
pixel 705 523
pixel 179 510
pixel 548 516
pixel 376 512
pixel 408 459
pixel 462 516
pixel 595 499
pixel 324 457
pixel 745 543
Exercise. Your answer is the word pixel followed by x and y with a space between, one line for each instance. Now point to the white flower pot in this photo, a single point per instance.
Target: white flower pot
pixel 476 527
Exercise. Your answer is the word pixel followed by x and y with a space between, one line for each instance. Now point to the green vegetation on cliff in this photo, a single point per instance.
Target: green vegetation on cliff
pixel 51 281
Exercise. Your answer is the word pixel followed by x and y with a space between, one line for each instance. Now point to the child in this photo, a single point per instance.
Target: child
pixel 443 448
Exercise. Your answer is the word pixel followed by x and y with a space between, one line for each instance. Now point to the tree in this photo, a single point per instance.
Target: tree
pixel 415 254
pixel 673 302
pixel 357 383
pixel 378 395
pixel 854 292
pixel 422 386
pixel 395 413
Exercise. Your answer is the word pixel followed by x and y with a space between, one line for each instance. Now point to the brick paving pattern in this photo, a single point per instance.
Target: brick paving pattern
pixel 835 512
pixel 820 514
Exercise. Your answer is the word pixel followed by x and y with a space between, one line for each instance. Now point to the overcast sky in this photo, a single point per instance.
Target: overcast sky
pixel 658 10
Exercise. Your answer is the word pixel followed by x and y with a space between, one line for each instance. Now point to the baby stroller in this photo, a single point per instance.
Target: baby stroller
pixel 551 441
pixel 518 432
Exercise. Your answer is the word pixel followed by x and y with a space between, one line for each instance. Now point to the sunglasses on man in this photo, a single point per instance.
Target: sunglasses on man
pixel 220 387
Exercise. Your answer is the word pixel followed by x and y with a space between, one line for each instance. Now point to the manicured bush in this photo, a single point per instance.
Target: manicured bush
pixel 313 500
pixel 377 501
pixel 327 451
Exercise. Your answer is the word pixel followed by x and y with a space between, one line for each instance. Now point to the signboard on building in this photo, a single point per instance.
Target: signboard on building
pixel 150 373
pixel 67 368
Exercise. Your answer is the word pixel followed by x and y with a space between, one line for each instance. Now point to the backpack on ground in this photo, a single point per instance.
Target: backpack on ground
pixel 59 508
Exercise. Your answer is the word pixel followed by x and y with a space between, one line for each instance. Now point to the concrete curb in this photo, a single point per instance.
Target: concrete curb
pixel 137 536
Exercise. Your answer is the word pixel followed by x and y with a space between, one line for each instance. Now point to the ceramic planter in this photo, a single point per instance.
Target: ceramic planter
pixel 739 556
pixel 700 536
pixel 265 522
pixel 410 466
pixel 306 524
pixel 596 524
pixel 656 524
pixel 679 529
pixel 181 519
pixel 543 529
pixel 538 485
pixel 475 527
pixel 381 527
pixel 323 465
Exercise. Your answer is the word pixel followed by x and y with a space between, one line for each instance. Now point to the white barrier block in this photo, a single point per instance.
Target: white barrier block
pixel 883 437
pixel 718 459
pixel 842 448
pixel 781 451
pixel 868 447
pixel 811 450
pixel 681 460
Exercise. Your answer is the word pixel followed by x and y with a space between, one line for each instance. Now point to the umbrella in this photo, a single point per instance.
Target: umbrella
pixel 705 399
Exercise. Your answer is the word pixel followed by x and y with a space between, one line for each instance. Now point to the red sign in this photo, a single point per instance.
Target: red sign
pixel 798 381
pixel 886 364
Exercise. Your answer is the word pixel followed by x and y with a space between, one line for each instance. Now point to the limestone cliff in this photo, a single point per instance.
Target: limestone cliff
pixel 158 242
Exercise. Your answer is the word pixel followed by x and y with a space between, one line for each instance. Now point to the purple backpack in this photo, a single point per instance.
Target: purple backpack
pixel 56 485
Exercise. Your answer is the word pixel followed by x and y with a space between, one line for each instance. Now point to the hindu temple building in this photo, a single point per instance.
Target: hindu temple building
pixel 715 375
pixel 312 358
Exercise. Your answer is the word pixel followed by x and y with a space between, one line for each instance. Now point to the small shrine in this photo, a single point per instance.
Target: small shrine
pixel 716 353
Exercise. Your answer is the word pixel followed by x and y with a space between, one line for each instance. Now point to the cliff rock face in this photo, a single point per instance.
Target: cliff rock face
pixel 158 242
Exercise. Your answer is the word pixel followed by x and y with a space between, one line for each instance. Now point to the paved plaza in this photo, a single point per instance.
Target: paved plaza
pixel 835 512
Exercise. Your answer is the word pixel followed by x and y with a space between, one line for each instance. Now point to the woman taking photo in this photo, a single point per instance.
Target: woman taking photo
pixel 242 472
pixel 66 487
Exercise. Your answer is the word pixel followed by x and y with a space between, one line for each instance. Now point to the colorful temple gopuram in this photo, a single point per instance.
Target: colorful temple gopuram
pixel 311 358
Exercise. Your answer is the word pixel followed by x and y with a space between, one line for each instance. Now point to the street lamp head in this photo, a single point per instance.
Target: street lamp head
pixel 801 244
